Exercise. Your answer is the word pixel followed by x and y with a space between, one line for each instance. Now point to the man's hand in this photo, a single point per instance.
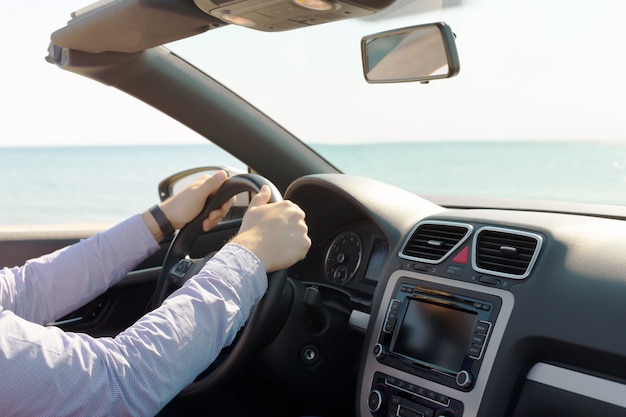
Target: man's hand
pixel 184 206
pixel 276 233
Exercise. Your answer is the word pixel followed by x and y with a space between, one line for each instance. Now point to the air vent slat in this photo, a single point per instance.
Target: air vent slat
pixel 432 241
pixel 506 253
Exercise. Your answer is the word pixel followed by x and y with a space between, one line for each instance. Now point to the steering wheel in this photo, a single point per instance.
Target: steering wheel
pixel 178 267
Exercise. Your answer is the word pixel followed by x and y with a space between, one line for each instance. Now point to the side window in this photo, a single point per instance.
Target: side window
pixel 92 185
pixel 179 180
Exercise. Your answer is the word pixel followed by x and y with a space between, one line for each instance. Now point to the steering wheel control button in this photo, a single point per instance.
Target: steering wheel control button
pixel 181 268
pixel 178 271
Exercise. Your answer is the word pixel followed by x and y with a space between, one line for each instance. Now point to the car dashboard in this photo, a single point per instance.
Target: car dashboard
pixel 350 259
pixel 471 312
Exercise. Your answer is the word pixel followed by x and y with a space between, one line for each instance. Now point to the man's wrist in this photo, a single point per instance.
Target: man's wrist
pixel 165 226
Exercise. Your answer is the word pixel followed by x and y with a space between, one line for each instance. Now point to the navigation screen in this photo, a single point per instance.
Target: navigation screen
pixel 434 335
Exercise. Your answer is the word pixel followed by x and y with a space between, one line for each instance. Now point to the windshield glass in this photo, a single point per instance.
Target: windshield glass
pixel 536 111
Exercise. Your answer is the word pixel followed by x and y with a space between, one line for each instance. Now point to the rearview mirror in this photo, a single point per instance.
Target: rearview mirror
pixel 417 53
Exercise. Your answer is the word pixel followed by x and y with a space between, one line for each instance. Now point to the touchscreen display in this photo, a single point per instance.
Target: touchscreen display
pixel 434 335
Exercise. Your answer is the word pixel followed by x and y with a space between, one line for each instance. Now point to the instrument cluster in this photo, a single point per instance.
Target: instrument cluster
pixel 355 256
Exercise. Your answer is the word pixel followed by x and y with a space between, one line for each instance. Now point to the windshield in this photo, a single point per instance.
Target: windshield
pixel 536 111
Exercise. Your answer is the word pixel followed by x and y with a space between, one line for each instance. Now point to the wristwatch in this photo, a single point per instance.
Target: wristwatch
pixel 164 224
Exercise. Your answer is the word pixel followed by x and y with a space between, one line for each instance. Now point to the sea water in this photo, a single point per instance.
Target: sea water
pixel 580 171
pixel 91 184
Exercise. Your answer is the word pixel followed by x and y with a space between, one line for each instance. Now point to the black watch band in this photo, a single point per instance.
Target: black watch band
pixel 164 224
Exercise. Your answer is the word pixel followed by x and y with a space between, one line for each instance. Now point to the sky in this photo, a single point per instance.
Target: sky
pixel 42 104
pixel 530 69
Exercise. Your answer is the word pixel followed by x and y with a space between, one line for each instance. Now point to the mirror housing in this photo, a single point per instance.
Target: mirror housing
pixel 417 53
pixel 180 180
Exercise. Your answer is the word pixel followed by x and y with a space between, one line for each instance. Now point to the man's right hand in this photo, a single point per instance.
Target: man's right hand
pixel 276 233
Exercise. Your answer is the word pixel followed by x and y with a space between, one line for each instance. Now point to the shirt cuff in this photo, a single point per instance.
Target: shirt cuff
pixel 240 269
pixel 131 241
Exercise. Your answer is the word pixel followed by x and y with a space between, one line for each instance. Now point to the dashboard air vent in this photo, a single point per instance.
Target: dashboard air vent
pixel 505 253
pixel 432 241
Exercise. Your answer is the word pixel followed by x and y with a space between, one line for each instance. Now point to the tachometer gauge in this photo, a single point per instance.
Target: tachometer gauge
pixel 343 258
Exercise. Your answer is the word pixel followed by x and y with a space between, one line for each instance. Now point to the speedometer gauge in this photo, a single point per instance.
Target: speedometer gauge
pixel 343 258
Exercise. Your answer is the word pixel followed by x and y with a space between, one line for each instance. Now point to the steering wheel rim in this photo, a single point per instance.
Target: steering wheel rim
pixel 264 314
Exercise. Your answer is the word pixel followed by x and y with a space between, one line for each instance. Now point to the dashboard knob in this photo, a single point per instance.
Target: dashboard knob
pixel 448 412
pixel 464 379
pixel 376 400
pixel 379 351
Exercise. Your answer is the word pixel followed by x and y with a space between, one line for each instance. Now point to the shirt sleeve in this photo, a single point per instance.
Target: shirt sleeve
pixel 48 372
pixel 47 288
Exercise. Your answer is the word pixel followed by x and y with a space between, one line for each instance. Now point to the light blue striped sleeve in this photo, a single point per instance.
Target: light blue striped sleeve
pixel 47 288
pixel 48 372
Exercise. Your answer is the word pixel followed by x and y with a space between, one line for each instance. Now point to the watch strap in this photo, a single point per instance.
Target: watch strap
pixel 164 224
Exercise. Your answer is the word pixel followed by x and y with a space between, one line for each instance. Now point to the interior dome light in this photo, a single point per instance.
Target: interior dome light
pixel 319 5
pixel 237 20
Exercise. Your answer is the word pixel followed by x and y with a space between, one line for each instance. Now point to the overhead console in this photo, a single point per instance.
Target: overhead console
pixel 132 26
pixel 280 15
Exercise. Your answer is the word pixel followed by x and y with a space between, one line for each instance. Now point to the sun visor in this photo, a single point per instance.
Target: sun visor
pixel 132 25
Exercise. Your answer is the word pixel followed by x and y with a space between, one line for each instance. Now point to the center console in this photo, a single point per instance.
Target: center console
pixel 433 346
